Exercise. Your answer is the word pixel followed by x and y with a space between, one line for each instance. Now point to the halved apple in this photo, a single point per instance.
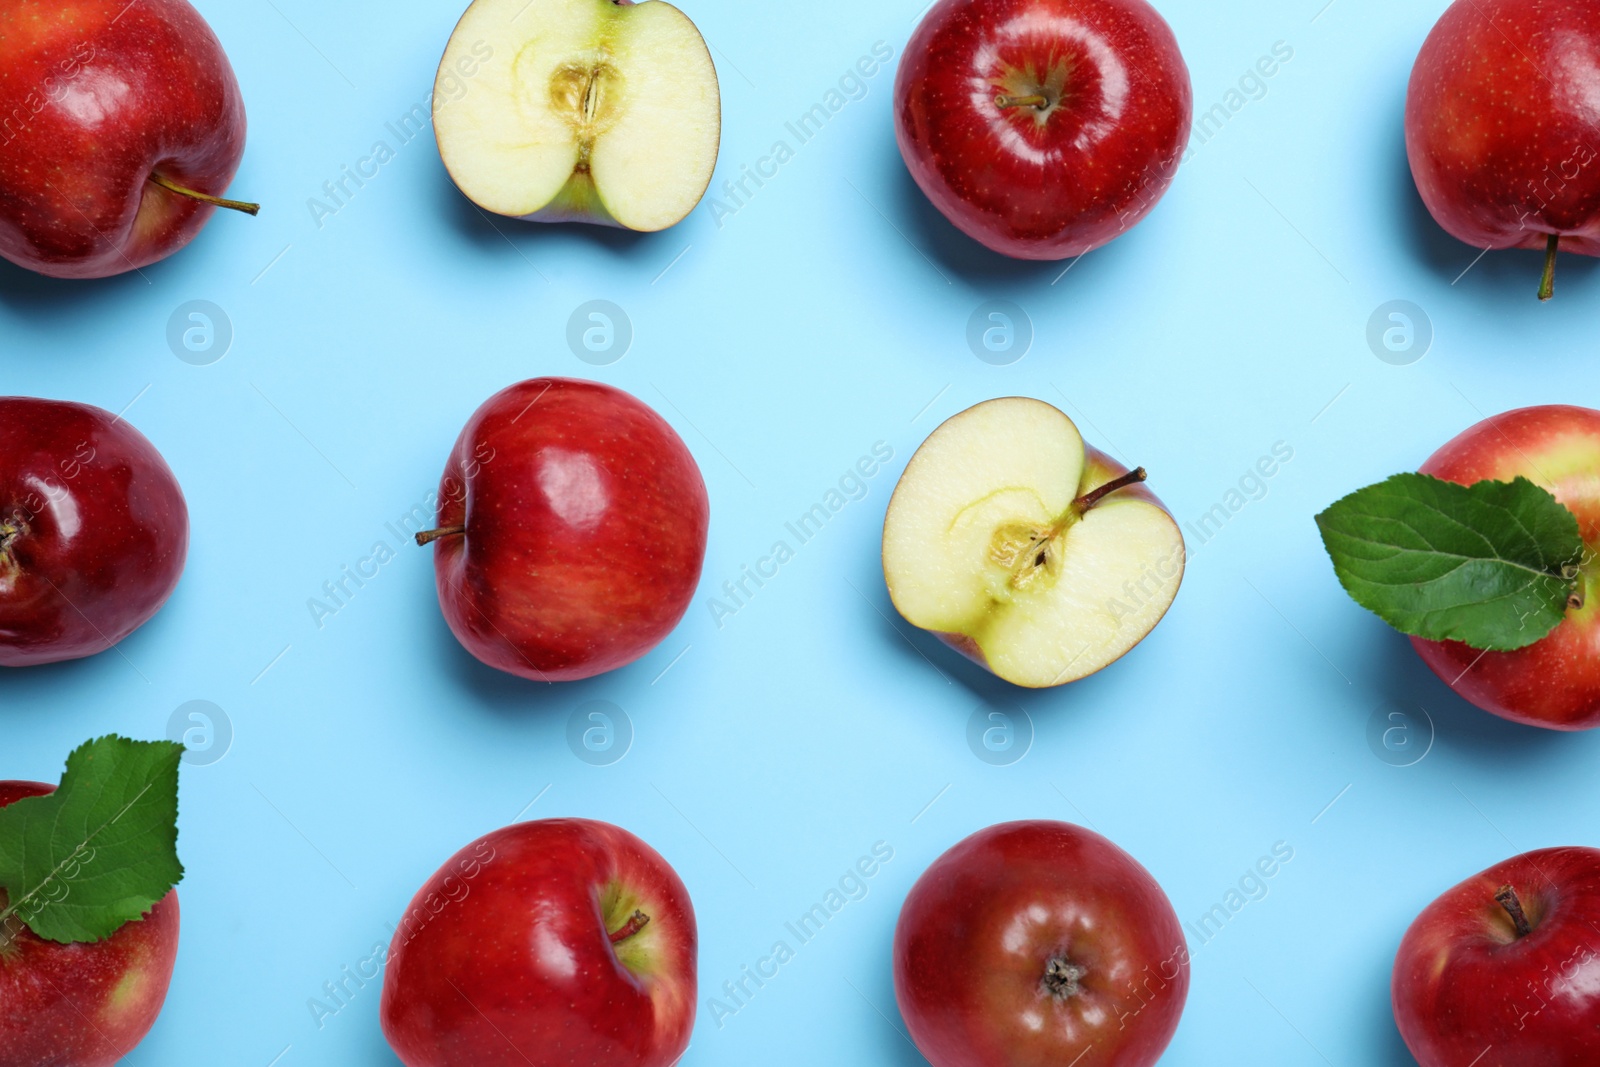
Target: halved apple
pixel 1039 557
pixel 584 110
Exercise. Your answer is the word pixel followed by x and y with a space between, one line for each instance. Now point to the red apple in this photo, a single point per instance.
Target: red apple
pixel 1504 969
pixel 81 1005
pixel 1039 944
pixel 121 125
pixel 1501 128
pixel 1043 128
pixel 93 530
pixel 1555 682
pixel 545 944
pixel 572 528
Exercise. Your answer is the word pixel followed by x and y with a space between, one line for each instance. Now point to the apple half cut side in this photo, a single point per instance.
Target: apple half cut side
pixel 584 111
pixel 1040 558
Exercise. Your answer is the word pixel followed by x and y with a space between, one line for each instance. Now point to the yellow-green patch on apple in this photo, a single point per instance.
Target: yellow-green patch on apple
pixel 1039 557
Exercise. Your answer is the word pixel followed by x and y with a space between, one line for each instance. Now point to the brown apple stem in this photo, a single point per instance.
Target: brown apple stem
pixel 636 922
pixel 1507 899
pixel 1547 284
pixel 1032 100
pixel 1094 496
pixel 428 537
pixel 205 198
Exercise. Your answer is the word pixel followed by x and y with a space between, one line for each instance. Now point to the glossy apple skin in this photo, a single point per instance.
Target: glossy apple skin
pixel 95 96
pixel 1554 683
pixel 982 924
pixel 93 530
pixel 1032 184
pixel 586 521
pixel 1464 982
pixel 1098 469
pixel 1500 133
pixel 82 1005
pixel 504 958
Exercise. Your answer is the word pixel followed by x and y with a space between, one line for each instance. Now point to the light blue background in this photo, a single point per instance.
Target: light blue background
pixel 829 313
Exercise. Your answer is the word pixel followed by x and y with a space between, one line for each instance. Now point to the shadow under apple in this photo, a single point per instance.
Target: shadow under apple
pixel 502 236
pixel 504 695
pixel 1508 274
pixel 888 1042
pixel 921 650
pixel 1460 727
pixel 45 300
pixel 1381 1044
pixel 960 255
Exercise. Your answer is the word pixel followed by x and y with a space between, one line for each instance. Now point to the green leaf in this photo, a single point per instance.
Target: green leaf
pixel 101 850
pixel 1492 565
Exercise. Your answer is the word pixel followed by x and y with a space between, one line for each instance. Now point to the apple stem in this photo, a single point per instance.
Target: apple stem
pixel 1507 899
pixel 1547 284
pixel 428 537
pixel 205 198
pixel 1031 100
pixel 636 922
pixel 1094 496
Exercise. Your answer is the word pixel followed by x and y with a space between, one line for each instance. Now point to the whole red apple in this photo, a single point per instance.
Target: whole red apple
pixel 86 1004
pixel 121 125
pixel 1504 969
pixel 93 530
pixel 1501 129
pixel 1555 682
pixel 1043 128
pixel 572 529
pixel 545 944
pixel 1038 944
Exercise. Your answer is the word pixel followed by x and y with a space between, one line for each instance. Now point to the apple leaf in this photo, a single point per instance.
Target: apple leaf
pixel 1493 565
pixel 101 850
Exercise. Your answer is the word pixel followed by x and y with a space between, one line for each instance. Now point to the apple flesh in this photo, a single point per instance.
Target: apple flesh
pixel 81 1005
pixel 1555 682
pixel 1507 961
pixel 1040 558
pixel 587 111
pixel 1043 128
pixel 1039 944
pixel 93 530
pixel 572 530
pixel 121 125
pixel 1500 129
pixel 545 944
